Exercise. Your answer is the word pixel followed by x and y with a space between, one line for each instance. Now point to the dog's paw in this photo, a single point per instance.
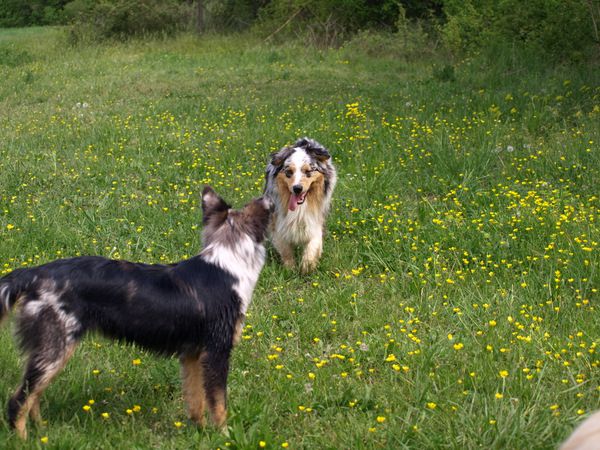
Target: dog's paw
pixel 308 266
pixel 288 263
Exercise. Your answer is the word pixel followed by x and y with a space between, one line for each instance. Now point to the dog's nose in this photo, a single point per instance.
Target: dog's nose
pixel 297 189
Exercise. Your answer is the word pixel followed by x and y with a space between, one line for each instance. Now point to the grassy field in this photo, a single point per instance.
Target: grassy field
pixel 456 302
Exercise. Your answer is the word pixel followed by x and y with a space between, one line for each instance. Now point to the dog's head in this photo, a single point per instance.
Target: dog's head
pixel 223 223
pixel 300 169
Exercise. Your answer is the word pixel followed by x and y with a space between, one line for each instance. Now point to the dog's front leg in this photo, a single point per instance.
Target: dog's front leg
pixel 216 369
pixel 311 254
pixel 286 251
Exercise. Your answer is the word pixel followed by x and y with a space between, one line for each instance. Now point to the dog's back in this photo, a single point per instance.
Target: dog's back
pixel 128 301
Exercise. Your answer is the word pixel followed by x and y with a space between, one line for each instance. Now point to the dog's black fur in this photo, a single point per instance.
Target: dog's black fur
pixel 193 309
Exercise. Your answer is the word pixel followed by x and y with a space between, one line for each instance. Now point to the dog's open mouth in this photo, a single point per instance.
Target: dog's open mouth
pixel 296 200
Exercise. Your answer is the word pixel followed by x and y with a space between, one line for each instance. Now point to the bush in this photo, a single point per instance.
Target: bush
pixel 121 19
pixel 22 13
pixel 326 22
pixel 14 13
pixel 407 43
pixel 52 15
pixel 231 15
pixel 558 28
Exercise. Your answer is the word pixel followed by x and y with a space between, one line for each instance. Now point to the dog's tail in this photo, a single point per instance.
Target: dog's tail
pixel 11 287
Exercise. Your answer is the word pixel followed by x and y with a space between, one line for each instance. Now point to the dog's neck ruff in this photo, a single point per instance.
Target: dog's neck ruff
pixel 243 259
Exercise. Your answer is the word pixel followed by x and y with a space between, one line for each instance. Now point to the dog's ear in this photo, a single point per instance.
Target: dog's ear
pixel 212 204
pixel 279 157
pixel 313 148
pixel 256 217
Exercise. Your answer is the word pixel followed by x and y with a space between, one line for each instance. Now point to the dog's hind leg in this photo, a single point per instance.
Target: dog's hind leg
pixel 239 329
pixel 216 369
pixel 193 387
pixel 40 371
pixel 46 336
pixel 34 413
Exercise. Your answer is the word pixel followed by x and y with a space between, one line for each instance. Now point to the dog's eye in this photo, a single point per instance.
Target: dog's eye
pixel 308 173
pixel 289 173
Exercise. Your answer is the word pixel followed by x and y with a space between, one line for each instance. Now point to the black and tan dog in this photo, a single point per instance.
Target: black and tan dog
pixel 194 309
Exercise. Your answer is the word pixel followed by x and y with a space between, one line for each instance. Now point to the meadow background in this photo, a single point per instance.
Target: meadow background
pixel 456 302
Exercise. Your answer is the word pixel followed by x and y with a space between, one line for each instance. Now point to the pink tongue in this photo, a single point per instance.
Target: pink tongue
pixel 293 203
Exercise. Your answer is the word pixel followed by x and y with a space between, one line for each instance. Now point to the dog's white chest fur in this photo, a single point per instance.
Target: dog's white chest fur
pixel 297 227
pixel 244 260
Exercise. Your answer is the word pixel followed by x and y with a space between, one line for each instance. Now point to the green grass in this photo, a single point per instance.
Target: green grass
pixel 456 302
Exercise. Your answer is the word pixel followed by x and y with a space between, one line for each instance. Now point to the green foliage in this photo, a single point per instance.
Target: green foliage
pixel 19 13
pixel 410 42
pixel 14 13
pixel 121 19
pixel 326 23
pixel 236 15
pixel 422 9
pixel 559 28
pixel 231 15
pixel 444 73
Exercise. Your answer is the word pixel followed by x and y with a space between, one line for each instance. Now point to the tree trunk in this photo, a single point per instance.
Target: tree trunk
pixel 199 16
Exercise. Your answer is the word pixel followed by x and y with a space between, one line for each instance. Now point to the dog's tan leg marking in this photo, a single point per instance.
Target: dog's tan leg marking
pixel 34 412
pixel 216 367
pixel 219 409
pixel 193 388
pixel 21 422
pixel 31 406
pixel 311 255
pixel 239 328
